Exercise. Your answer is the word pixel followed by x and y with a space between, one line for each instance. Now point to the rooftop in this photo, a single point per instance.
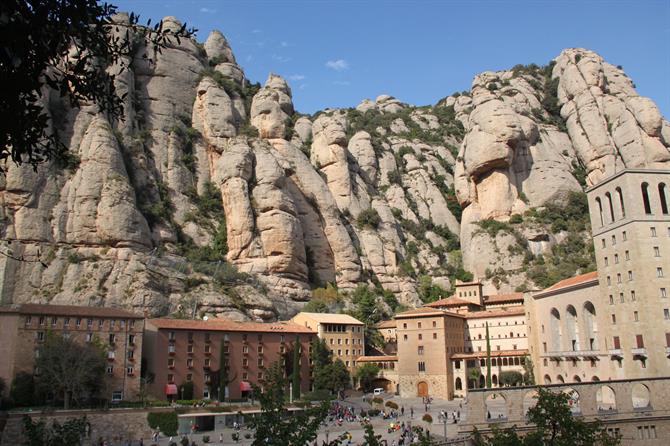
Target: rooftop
pixel 502 298
pixel 386 324
pixel 582 279
pixel 331 318
pixel 514 311
pixel 70 310
pixel 425 311
pixel 452 301
pixel 220 324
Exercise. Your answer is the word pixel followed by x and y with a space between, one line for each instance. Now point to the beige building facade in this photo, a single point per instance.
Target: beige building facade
pixel 344 335
pixel 427 340
pixel 630 219
pixel 24 327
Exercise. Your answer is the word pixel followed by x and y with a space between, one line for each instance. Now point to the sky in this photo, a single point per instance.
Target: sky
pixel 337 53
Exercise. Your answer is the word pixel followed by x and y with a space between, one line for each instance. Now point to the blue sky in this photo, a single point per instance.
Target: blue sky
pixel 336 53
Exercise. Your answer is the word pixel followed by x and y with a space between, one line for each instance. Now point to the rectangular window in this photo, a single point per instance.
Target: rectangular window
pixel 639 341
pixel 420 336
pixel 621 298
pixel 666 314
pixel 130 371
pixel 208 362
pixel 659 272
pixel 667 339
pixel 664 293
pixel 611 302
pixel 618 278
pixel 419 324
pixel 657 252
pixel 112 338
pixel 110 369
pixel 627 254
pixel 89 323
pixel 606 262
pixel 616 258
pixel 54 321
pixel 260 362
pixel 636 316
pixel 434 335
pixel 609 281
pixel 404 337
pixel 632 296
pixel 78 323
pixel 170 362
pixel 131 339
pixel 420 350
pixel 603 242
pixel 613 239
pixel 544 347
pixel 614 319
pixel 617 342
pixel 117 395
pixel 89 337
pixel 170 378
pixel 101 322
pixel 653 231
pixel 422 366
pixel 189 348
pixel 625 237
pixel 189 363
pixel 630 275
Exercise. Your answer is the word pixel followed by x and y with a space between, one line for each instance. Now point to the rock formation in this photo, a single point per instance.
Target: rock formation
pixel 215 196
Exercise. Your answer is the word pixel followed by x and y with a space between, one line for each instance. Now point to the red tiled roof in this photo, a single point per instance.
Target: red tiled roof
pixel 220 324
pixel 514 311
pixel 570 282
pixel 494 354
pixel 425 311
pixel 452 301
pixel 70 310
pixel 386 324
pixel 501 298
pixel 376 358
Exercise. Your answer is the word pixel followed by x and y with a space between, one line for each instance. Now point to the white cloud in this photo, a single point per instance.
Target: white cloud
pixel 283 44
pixel 281 59
pixel 297 77
pixel 345 83
pixel 338 65
pixel 256 31
pixel 302 86
pixel 207 10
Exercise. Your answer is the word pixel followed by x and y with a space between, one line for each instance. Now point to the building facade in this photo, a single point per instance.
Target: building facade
pixel 24 327
pixel 630 219
pixel 344 335
pixel 427 340
pixel 181 351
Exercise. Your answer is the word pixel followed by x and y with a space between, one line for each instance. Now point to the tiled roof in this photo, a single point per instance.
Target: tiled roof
pixel 386 324
pixel 570 282
pixel 332 318
pixel 220 324
pixel 502 298
pixel 514 311
pixel 376 358
pixel 494 354
pixel 452 301
pixel 425 311
pixel 70 310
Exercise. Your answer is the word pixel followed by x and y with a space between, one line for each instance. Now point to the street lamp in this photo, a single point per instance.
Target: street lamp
pixel 444 419
pixel 327 433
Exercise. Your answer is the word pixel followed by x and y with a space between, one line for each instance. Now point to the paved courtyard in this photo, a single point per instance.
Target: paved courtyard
pixel 331 429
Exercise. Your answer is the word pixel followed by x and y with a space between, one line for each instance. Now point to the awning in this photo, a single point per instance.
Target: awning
pixel 245 386
pixel 170 389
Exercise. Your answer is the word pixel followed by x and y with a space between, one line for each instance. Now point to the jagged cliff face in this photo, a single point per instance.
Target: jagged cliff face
pixel 208 171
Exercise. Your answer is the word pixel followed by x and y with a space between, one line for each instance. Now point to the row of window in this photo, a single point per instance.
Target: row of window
pixel 172 336
pixel 346 341
pixel 208 377
pixel 499 324
pixel 130 370
pixel 42 322
pixel 662 195
pixel 40 336
pixel 636 316
pixel 652 231
pixel 340 328
pixel 495 362
pixel 511 335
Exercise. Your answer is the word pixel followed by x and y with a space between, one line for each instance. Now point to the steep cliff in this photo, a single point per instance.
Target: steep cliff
pixel 214 195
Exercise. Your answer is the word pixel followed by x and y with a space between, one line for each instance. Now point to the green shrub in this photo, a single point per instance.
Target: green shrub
pixel 368 218
pixel 391 405
pixel 205 438
pixel 166 422
pixel 377 400
pixel 374 412
pixel 394 177
pixel 427 418
pixel 516 219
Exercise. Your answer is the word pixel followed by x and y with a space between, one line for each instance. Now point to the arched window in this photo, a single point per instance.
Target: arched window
pixel 560 379
pixel 555 330
pixel 590 326
pixel 664 199
pixel 573 328
pixel 605 399
pixel 641 396
pixel 576 379
pixel 547 379
pixel 600 210
pixel 609 202
pixel 494 380
pixel 645 198
pixel 459 384
pixel 623 207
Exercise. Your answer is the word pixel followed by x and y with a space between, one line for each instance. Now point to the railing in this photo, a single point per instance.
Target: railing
pixel 640 351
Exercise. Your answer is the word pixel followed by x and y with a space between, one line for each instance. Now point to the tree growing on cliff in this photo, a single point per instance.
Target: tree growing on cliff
pixel 67 46
pixel 70 370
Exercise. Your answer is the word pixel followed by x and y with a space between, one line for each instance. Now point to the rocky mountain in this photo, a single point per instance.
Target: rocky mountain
pixel 214 195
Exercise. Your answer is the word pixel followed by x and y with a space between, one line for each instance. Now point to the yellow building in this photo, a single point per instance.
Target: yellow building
pixel 344 335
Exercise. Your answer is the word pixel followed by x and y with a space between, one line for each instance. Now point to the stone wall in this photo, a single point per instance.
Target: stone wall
pixel 629 412
pixel 116 424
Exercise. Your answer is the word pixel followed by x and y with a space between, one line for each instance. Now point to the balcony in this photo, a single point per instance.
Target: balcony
pixel 171 367
pixel 616 353
pixel 590 353
pixel 640 351
pixel 207 353
pixel 667 351
pixel 554 355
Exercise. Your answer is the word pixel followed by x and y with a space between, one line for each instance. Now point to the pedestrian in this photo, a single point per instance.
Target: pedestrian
pixel 402 410
pixel 221 438
pixel 141 441
pixel 411 412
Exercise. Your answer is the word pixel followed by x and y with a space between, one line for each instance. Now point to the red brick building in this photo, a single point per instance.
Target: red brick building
pixel 179 351
pixel 23 327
